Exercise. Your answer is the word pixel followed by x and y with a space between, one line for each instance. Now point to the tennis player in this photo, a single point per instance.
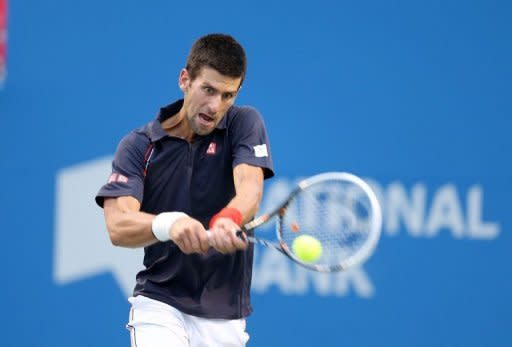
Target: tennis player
pixel 199 165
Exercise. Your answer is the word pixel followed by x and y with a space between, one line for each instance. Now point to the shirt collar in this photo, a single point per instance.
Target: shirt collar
pixel 155 128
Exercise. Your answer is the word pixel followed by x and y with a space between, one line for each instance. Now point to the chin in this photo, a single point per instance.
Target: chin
pixel 203 132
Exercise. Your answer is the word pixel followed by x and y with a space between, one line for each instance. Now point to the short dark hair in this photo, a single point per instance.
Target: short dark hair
pixel 220 52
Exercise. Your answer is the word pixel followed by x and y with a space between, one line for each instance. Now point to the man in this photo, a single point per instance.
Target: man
pixel 200 165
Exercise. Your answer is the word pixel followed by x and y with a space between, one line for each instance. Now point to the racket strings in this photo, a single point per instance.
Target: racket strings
pixel 338 214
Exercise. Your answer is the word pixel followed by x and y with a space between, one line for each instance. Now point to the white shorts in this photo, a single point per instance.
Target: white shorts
pixel 155 324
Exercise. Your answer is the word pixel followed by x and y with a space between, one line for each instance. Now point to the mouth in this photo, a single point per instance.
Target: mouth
pixel 205 119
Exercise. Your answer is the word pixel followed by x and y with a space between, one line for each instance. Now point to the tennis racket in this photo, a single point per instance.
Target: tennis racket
pixel 338 209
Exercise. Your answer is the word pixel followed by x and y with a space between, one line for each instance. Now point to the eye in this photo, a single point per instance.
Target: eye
pixel 228 96
pixel 209 90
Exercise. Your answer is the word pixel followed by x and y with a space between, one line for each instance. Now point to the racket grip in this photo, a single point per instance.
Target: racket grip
pixel 241 235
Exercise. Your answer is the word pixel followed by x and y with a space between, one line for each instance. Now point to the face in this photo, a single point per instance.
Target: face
pixel 207 98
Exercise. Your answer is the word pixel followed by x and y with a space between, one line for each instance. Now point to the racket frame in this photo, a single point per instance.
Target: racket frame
pixel 358 257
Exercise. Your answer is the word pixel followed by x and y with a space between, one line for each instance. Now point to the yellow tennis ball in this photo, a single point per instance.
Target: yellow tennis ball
pixel 307 248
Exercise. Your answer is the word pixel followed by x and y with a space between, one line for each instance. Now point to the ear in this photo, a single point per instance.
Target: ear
pixel 184 80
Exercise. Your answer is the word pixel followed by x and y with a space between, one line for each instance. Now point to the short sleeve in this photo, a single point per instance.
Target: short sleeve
pixel 249 140
pixel 127 177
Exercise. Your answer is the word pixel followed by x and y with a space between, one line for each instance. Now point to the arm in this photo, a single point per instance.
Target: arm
pixel 249 190
pixel 129 227
pixel 248 181
pixel 126 224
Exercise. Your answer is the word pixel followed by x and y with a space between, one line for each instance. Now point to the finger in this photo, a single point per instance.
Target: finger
pixel 199 239
pixel 211 238
pixel 221 241
pixel 195 244
pixel 238 240
pixel 220 245
pixel 228 241
pixel 241 235
pixel 182 245
pixel 187 244
pixel 204 241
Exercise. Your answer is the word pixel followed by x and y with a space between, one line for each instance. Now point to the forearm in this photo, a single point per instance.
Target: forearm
pixel 241 209
pixel 132 229
pixel 127 226
pixel 249 190
pixel 247 202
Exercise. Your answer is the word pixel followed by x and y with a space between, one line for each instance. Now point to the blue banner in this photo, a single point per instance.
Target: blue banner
pixel 412 96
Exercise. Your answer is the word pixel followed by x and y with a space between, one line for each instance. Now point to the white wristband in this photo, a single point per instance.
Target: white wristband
pixel 163 222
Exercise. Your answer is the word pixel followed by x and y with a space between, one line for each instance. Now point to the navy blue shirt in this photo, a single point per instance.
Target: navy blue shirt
pixel 166 173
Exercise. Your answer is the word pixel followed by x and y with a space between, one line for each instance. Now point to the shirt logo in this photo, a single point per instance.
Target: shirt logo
pixel 115 177
pixel 212 148
pixel 260 151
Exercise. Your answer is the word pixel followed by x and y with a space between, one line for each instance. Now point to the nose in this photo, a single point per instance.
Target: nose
pixel 214 104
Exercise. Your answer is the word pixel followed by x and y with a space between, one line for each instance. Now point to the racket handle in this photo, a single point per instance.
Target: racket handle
pixel 241 235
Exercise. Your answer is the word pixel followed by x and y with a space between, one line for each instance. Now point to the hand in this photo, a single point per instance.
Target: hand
pixel 223 236
pixel 190 236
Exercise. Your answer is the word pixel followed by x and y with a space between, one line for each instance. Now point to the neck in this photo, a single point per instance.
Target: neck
pixel 177 126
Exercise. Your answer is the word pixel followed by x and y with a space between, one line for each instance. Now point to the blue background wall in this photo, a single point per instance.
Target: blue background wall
pixel 413 95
